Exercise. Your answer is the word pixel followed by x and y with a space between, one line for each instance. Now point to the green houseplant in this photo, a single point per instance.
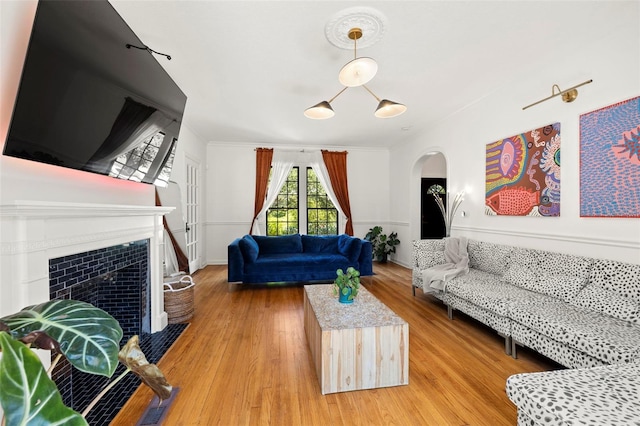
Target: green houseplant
pixel 346 284
pixel 87 336
pixel 382 244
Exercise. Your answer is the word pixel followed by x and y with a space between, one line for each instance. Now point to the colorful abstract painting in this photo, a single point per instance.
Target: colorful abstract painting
pixel 523 174
pixel 610 161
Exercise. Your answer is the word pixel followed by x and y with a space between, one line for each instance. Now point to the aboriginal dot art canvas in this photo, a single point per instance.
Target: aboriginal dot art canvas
pixel 523 174
pixel 610 161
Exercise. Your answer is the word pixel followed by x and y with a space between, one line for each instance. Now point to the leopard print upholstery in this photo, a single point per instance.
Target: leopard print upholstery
pixel 606 338
pixel 622 278
pixel 425 253
pixel 488 257
pixel 594 396
pixel 497 322
pixel 552 349
pixel 609 303
pixel 578 311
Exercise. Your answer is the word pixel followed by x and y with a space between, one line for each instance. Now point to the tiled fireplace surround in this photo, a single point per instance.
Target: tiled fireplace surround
pixel 37 237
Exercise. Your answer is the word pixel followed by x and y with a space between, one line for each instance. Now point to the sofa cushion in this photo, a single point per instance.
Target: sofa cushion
pixel 521 276
pixel 593 396
pixel 483 289
pixel 427 246
pixel 609 303
pixel 282 244
pixel 249 248
pixel 319 243
pixel 564 287
pixel 429 259
pixel 619 277
pixel 349 247
pixel 488 257
pixel 561 264
pixel 604 337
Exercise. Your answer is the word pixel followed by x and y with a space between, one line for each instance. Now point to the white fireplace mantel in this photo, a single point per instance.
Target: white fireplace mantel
pixel 32 232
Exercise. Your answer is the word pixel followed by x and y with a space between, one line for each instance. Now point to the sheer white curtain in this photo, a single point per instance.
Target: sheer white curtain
pixel 317 164
pixel 154 124
pixel 281 165
pixel 103 159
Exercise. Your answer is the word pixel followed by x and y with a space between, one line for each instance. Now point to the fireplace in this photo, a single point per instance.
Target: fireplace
pixel 114 279
pixel 108 255
pixel 35 233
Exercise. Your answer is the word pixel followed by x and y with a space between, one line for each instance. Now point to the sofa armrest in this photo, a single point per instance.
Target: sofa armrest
pixel 235 262
pixel 365 260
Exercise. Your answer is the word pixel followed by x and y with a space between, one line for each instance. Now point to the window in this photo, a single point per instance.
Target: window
pixel 322 216
pixel 284 218
pixel 143 164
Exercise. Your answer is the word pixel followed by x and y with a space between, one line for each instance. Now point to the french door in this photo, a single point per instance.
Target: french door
pixel 193 214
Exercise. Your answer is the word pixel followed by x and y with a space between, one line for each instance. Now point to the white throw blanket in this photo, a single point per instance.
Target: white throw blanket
pixel 456 264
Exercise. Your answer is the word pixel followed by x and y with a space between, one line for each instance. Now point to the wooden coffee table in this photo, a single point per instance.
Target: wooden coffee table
pixel 363 345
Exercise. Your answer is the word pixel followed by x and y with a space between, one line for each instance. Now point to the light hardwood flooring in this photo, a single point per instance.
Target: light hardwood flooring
pixel 244 360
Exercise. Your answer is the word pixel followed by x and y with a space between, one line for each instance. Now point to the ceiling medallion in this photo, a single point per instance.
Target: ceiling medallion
pixel 371 22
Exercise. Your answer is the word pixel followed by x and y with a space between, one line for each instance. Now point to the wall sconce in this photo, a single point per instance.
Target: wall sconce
pixel 568 95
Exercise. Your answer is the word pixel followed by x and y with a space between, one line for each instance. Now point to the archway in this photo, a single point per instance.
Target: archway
pixel 429 176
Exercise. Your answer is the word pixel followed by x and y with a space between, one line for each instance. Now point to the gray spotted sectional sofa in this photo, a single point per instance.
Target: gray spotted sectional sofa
pixel 580 312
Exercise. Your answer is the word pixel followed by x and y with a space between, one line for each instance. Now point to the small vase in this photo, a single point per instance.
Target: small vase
pixel 344 298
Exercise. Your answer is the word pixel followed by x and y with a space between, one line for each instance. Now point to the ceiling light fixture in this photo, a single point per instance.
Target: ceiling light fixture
pixel 359 71
pixel 323 109
pixel 387 108
pixel 568 95
pixel 356 73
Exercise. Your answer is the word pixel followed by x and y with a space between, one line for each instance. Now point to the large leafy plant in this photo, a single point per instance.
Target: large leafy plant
pixel 87 336
pixel 382 244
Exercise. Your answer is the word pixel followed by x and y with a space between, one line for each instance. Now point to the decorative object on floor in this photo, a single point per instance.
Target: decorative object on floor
pixel 568 95
pixel 360 70
pixel 383 245
pixel 523 174
pixel 346 285
pixel 87 336
pixel 610 161
pixel 179 298
pixel 449 214
pixel 157 410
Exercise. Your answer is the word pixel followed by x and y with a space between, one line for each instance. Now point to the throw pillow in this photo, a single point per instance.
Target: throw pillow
pixel 350 247
pixel 249 248
pixel 608 303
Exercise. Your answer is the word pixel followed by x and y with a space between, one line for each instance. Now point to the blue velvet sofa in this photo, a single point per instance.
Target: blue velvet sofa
pixel 295 258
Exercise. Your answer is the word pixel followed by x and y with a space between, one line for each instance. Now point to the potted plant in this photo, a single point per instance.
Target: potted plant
pixel 346 284
pixel 382 245
pixel 87 336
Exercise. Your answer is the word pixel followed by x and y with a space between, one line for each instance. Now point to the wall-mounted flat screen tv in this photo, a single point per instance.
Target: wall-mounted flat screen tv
pixel 87 101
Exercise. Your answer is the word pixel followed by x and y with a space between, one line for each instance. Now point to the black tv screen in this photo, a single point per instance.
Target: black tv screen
pixel 92 98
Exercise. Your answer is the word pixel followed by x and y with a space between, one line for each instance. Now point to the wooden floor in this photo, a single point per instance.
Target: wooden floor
pixel 244 360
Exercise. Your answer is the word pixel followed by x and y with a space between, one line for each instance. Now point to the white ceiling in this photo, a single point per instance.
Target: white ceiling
pixel 250 68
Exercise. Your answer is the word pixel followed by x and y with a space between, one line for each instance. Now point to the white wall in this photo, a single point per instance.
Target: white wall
pixel 614 65
pixel 231 187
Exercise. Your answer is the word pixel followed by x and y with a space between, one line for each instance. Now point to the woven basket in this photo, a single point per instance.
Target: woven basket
pixel 178 299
